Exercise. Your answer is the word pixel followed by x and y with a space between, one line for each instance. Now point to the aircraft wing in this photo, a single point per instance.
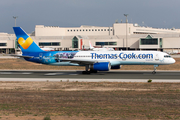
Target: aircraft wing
pixel 82 61
pixel 21 56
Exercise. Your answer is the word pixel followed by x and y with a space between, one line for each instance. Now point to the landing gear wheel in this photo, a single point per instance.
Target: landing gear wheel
pixel 154 72
pixel 86 72
pixel 93 71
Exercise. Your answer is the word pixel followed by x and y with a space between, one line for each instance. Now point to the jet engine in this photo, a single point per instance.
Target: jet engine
pixel 102 66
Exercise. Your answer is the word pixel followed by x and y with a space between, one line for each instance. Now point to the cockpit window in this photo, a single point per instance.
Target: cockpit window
pixel 167 56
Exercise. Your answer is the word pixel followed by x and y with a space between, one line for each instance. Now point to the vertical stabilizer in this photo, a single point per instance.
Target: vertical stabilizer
pixel 25 42
pixel 90 45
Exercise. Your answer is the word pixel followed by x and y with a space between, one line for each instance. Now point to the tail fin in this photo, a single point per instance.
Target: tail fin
pixel 90 45
pixel 25 42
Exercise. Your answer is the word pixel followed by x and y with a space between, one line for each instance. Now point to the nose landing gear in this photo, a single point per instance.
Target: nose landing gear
pixel 154 72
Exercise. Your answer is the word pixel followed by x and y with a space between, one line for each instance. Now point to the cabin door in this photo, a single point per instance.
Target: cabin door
pixel 157 57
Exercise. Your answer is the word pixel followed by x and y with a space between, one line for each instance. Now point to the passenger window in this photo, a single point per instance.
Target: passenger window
pixel 167 56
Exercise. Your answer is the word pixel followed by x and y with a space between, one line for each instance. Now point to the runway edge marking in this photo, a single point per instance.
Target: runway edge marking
pixel 88 80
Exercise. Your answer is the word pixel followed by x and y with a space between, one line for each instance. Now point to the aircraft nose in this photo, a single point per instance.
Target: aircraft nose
pixel 173 61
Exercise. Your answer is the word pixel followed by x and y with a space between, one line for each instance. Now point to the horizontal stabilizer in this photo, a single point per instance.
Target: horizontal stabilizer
pixel 21 56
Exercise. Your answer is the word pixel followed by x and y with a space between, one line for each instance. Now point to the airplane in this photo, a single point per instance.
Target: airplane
pixel 92 60
pixel 100 49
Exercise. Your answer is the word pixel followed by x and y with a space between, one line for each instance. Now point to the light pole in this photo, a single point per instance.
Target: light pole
pixel 15 17
pixel 126 31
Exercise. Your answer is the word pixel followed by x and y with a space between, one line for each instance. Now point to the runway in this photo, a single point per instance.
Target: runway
pixel 111 76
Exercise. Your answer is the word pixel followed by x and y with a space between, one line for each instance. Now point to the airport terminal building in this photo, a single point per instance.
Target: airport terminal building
pixel 120 36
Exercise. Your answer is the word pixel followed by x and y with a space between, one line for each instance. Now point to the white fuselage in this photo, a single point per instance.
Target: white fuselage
pixel 127 57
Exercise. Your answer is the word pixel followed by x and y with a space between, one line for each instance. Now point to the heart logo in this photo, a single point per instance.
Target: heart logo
pixel 25 43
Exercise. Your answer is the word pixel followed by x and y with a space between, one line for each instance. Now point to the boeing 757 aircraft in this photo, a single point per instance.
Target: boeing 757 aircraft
pixel 92 60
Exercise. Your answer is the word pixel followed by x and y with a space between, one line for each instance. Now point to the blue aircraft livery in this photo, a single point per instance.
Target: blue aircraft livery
pixel 92 60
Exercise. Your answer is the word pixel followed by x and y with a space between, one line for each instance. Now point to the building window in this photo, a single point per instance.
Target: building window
pixel 74 30
pixel 68 30
pixel 55 43
pixel 92 29
pixel 49 44
pixel 101 29
pixel 89 30
pixel 160 43
pixel 153 41
pixel 112 43
pixel 98 29
pixel 95 29
pixel 104 29
pixel 71 30
pixel 106 43
pixel 101 43
pixel 3 44
pixel 79 30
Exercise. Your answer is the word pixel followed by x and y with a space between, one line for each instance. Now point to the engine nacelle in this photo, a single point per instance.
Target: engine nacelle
pixel 116 67
pixel 102 66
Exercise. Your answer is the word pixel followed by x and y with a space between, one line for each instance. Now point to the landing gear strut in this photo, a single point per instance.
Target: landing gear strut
pixel 155 69
pixel 87 70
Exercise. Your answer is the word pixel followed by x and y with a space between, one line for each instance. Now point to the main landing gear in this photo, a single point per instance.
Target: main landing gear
pixel 154 72
pixel 87 70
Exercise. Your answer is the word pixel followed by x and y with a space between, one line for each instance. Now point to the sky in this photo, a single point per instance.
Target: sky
pixel 74 13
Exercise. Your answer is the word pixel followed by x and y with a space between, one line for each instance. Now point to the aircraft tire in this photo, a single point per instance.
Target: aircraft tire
pixel 86 72
pixel 154 72
pixel 93 71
